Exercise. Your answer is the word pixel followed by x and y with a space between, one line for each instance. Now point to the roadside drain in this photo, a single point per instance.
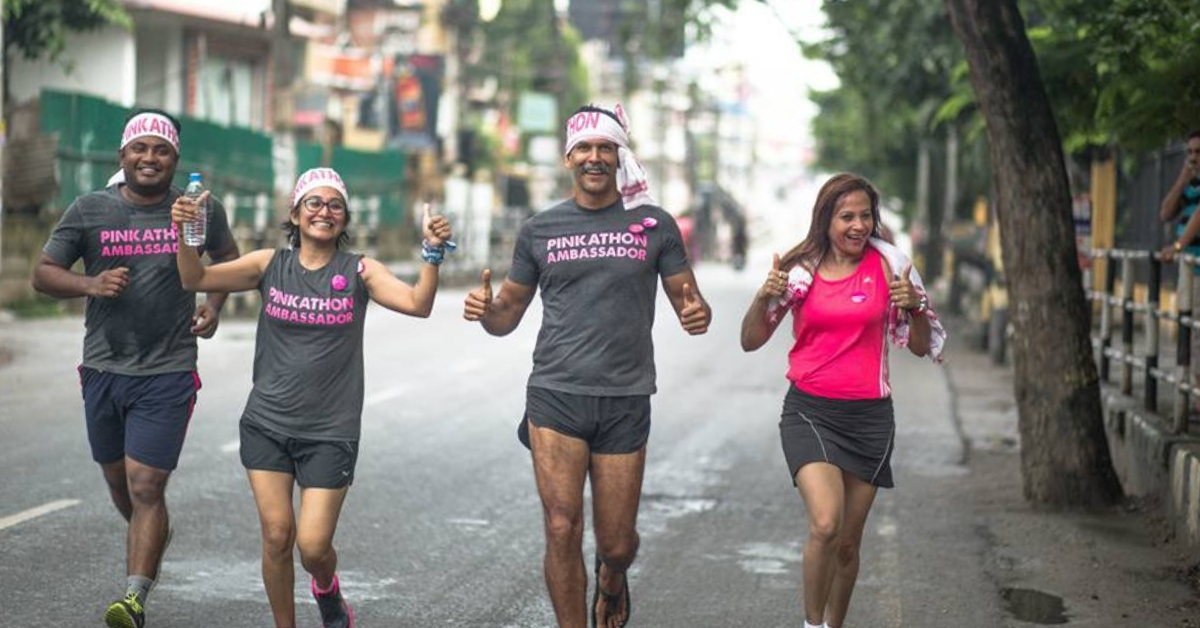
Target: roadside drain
pixel 1034 606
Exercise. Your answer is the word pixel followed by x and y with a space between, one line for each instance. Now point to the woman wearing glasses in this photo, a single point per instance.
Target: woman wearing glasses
pixel 302 421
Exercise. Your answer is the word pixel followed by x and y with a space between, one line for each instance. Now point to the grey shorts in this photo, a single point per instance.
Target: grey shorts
pixel 609 425
pixel 314 463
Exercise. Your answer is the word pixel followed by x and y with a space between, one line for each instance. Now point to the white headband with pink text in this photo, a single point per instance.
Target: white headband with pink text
pixel 632 180
pixel 318 178
pixel 150 124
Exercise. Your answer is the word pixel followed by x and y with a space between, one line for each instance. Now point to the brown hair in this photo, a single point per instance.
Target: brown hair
pixel 814 247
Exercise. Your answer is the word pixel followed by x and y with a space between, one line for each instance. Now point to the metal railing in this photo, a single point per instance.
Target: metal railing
pixel 1119 310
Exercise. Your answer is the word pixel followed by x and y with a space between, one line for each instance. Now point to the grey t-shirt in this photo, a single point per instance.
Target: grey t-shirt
pixel 598 278
pixel 146 330
pixel 308 355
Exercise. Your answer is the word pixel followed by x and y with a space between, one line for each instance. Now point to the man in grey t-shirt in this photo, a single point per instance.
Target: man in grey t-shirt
pixel 139 351
pixel 597 258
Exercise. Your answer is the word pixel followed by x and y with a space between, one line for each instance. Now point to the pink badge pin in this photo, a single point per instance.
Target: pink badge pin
pixel 636 228
pixel 339 282
pixel 649 222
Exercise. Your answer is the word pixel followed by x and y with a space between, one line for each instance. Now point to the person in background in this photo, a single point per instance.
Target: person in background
pixel 1179 209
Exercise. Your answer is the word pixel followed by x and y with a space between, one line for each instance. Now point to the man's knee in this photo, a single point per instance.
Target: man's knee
pixel 618 550
pixel 563 524
pixel 146 485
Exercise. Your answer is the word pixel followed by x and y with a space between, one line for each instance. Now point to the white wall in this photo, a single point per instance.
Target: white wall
pixel 160 66
pixel 100 63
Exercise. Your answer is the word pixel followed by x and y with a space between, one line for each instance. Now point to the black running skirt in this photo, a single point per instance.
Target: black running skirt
pixel 855 435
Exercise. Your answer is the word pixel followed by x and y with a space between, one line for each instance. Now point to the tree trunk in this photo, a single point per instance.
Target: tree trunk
pixel 1064 452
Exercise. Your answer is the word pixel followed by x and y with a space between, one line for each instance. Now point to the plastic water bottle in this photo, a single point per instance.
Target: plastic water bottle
pixel 194 232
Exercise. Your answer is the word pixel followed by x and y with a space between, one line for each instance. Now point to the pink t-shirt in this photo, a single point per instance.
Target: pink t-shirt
pixel 841 341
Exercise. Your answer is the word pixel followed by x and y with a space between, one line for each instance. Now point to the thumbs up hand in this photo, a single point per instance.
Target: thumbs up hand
pixel 694 316
pixel 901 290
pixel 480 299
pixel 435 228
pixel 776 283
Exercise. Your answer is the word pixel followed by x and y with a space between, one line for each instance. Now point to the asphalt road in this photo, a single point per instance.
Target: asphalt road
pixel 443 525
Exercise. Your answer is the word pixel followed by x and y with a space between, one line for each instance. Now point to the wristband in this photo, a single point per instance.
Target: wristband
pixel 432 254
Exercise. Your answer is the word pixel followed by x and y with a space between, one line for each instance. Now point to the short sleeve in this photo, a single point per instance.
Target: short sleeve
pixel 672 258
pixel 69 238
pixel 524 268
pixel 219 237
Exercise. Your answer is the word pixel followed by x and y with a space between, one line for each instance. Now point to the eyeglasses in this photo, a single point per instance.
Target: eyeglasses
pixel 313 204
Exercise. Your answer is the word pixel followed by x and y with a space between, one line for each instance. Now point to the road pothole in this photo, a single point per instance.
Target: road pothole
pixel 1034 606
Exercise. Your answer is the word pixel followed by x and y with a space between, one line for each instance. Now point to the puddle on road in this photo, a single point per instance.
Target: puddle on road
pixel 214 579
pixel 1034 606
pixel 768 559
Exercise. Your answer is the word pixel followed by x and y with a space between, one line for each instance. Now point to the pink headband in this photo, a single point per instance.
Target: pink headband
pixel 318 178
pixel 152 124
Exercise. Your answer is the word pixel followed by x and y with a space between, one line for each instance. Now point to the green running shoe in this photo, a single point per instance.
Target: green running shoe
pixel 126 613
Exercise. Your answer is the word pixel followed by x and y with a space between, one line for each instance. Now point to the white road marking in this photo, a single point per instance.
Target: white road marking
pixel 469 522
pixel 34 513
pixel 384 396
pixel 464 366
pixel 231 447
pixel 888 563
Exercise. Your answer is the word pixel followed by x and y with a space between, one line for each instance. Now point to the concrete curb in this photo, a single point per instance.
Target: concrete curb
pixel 1185 492
pixel 1151 461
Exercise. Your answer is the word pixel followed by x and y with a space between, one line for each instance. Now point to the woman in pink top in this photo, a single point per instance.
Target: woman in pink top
pixel 849 292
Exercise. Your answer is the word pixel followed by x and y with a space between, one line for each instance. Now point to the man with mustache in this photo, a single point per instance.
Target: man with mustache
pixel 596 258
pixel 139 349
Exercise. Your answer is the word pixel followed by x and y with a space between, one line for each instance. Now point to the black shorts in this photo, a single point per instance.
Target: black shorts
pixel 144 417
pixel 855 435
pixel 314 463
pixel 609 425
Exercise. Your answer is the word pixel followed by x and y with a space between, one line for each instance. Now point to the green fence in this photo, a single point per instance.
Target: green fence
pixel 235 162
pixel 374 180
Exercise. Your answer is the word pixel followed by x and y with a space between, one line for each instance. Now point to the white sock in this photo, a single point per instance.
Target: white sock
pixel 808 625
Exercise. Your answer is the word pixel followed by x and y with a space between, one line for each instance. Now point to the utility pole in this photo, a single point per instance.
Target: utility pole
pixel 281 62
pixel 659 76
pixel 3 141
pixel 559 83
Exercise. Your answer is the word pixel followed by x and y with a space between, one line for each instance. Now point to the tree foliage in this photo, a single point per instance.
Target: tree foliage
pixel 40 27
pixel 896 61
pixel 1126 75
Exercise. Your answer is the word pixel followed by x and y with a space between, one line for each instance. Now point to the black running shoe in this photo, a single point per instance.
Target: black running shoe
pixel 335 612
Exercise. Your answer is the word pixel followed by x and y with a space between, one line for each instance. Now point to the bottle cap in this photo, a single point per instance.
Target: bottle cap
pixel 195 176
